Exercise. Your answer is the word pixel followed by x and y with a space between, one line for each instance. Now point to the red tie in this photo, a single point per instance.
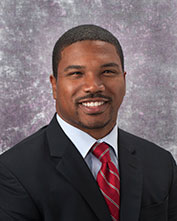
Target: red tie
pixel 108 179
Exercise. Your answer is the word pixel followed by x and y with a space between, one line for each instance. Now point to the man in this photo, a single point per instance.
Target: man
pixel 81 167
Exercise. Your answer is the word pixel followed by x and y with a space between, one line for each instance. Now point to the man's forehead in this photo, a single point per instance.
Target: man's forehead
pixel 86 48
pixel 100 53
pixel 96 43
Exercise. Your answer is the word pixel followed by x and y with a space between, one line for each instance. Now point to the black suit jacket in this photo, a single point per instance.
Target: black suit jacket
pixel 45 178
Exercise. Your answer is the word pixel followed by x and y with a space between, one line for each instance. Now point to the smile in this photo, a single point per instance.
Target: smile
pixel 93 104
pixel 94 107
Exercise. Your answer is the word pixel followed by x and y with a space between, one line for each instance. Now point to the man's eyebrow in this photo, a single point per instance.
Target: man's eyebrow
pixel 112 64
pixel 73 67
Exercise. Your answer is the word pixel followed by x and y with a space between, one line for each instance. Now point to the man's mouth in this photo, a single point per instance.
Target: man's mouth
pixel 93 107
pixel 93 104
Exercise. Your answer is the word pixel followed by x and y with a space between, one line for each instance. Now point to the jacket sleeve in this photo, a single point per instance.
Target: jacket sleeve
pixel 15 202
pixel 172 202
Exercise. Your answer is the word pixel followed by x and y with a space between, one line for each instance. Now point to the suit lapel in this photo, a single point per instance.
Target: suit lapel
pixel 131 179
pixel 73 167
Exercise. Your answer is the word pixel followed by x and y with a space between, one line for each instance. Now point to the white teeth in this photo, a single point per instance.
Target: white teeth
pixel 93 104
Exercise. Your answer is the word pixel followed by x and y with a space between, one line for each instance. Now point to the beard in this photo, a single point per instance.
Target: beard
pixel 94 124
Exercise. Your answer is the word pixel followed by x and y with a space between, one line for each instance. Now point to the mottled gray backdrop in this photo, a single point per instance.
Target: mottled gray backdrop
pixel 147 31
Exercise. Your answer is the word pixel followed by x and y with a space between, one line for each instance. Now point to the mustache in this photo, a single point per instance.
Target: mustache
pixel 93 95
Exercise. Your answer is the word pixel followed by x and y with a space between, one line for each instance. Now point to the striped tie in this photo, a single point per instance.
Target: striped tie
pixel 108 179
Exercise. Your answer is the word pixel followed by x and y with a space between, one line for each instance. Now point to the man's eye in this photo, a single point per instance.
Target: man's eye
pixel 108 72
pixel 75 73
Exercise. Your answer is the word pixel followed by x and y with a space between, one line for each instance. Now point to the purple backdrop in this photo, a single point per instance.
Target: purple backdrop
pixel 148 33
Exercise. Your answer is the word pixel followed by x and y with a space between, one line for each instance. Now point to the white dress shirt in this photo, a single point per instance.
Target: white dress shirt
pixel 83 142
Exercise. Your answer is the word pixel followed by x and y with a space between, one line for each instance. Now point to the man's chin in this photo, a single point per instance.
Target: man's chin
pixel 93 125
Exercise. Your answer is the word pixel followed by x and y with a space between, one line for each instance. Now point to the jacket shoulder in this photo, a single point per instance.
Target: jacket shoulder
pixel 26 148
pixel 142 146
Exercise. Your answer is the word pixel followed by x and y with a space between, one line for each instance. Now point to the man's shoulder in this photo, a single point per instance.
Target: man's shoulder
pixel 25 148
pixel 142 146
pixel 150 156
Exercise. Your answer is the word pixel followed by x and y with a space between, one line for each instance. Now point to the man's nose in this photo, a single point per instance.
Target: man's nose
pixel 93 84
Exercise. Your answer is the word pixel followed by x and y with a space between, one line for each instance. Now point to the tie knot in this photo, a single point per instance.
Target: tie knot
pixel 101 151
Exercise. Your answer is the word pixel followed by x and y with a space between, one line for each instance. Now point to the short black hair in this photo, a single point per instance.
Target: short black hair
pixel 81 33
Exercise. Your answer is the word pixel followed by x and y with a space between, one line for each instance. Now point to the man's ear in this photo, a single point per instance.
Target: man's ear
pixel 124 74
pixel 125 81
pixel 53 82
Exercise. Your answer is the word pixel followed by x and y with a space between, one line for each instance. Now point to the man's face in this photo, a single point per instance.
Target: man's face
pixel 90 86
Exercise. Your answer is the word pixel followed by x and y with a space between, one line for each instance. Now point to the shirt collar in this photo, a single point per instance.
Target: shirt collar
pixel 83 141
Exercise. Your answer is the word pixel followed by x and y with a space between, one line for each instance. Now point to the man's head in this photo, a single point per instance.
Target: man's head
pixel 90 83
pixel 81 33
